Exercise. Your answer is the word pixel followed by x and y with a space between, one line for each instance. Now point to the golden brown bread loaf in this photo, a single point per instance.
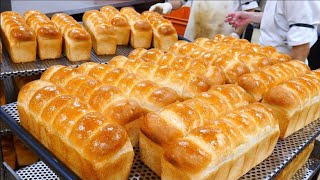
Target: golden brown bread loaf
pixel 288 172
pixel 2 93
pixel 77 41
pixel 186 83
pixel 258 83
pixel 164 33
pixel 49 37
pixel 89 144
pixel 141 30
pixel 24 155
pixel 119 23
pixel 108 100
pixel 298 98
pixel 180 118
pixel 198 66
pixel 18 38
pixel 102 33
pixel 0 51
pixel 8 153
pixel 227 149
pixel 148 94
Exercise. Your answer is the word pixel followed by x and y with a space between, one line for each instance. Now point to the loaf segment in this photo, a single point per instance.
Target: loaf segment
pixel 298 98
pixel 141 30
pixel 77 41
pixel 258 83
pixel 227 149
pixel 89 144
pixel 214 74
pixel 186 83
pixel 18 37
pixel 49 38
pixel 102 33
pixel 119 23
pixel 107 100
pixel 164 33
pixel 180 118
pixel 148 94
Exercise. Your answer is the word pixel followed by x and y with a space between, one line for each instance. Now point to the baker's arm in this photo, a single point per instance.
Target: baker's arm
pixel 300 52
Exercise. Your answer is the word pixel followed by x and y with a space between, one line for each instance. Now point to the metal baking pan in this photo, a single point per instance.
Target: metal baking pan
pixel 285 151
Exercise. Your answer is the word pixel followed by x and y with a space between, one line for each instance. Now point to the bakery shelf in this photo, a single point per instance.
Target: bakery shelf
pixel 285 151
pixel 308 170
pixel 9 69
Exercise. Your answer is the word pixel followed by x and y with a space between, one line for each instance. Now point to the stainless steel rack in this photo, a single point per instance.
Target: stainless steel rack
pixel 285 151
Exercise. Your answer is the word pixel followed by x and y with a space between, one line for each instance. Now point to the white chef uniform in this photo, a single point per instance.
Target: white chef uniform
pixel 289 23
pixel 207 17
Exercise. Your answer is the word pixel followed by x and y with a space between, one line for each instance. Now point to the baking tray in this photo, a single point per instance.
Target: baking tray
pixel 285 151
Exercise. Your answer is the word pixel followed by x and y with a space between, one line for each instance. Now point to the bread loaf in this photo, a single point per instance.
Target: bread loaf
pixel 186 83
pixel 2 93
pixel 102 33
pixel 298 98
pixel 141 30
pixel 77 41
pixel 8 153
pixel 24 155
pixel 148 94
pixel 164 33
pixel 108 100
pixel 18 38
pixel 258 83
pixel 119 23
pixel 49 37
pixel 203 68
pixel 227 149
pixel 89 144
pixel 180 118
pixel 185 48
pixel 0 51
pixel 288 172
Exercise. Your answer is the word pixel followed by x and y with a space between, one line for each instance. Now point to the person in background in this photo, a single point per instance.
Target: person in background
pixel 207 16
pixel 289 26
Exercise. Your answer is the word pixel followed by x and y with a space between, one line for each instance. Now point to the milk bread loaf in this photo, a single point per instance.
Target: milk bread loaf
pixel 18 38
pixel 102 33
pixel 214 74
pixel 258 83
pixel 186 83
pixel 83 139
pixel 150 95
pixel 8 153
pixel 180 118
pixel 119 23
pixel 164 33
pixel 227 149
pixel 24 155
pixel 49 38
pixel 77 42
pixel 141 30
pixel 298 98
pixel 108 100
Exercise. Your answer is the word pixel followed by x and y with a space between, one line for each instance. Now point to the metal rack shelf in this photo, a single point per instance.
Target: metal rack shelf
pixel 9 69
pixel 285 151
pixel 308 170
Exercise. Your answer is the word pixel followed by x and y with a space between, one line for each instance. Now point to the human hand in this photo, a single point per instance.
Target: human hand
pixel 161 8
pixel 237 19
